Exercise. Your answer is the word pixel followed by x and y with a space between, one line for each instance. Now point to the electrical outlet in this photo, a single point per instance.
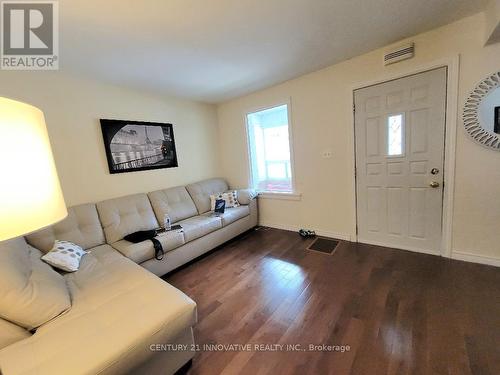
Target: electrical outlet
pixel 327 154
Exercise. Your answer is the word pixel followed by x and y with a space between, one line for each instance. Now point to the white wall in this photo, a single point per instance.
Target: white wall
pixel 321 107
pixel 492 22
pixel 73 107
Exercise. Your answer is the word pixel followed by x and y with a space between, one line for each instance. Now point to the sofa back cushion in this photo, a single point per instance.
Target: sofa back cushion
pixel 201 191
pixel 31 292
pixel 81 226
pixel 125 215
pixel 176 202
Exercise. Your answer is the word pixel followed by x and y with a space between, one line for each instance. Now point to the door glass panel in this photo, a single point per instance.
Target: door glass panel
pixel 395 135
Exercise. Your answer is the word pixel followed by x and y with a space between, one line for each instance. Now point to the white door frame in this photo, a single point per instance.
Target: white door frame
pixel 452 63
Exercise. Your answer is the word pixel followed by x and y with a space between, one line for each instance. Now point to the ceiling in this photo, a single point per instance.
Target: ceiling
pixel 215 50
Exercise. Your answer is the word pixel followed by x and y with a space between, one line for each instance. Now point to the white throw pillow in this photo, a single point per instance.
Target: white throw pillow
pixel 231 198
pixel 65 255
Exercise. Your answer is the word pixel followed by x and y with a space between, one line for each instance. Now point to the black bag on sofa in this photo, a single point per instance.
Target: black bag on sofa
pixel 144 235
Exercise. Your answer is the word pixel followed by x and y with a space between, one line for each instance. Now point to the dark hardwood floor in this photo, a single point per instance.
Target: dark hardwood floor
pixel 399 312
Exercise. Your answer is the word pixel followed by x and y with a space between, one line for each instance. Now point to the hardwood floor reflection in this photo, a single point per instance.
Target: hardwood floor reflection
pixel 399 312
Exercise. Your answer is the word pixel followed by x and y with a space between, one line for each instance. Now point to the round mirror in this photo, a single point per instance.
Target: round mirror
pixel 482 112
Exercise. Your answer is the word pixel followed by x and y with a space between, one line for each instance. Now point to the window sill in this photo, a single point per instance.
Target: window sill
pixel 283 196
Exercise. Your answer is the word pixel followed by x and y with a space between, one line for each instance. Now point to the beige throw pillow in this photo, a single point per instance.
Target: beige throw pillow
pixel 31 292
pixel 231 198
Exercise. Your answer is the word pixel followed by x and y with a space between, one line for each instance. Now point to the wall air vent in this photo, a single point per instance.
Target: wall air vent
pixel 401 53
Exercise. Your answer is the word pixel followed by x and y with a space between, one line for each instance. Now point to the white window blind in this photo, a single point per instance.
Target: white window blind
pixel 269 143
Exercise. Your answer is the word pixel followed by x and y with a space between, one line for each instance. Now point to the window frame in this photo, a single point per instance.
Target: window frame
pixel 267 193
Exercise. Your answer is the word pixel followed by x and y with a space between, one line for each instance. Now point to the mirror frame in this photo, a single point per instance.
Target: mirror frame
pixel 471 120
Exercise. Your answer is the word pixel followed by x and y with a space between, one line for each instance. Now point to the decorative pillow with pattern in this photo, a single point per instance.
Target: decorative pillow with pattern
pixel 65 255
pixel 231 198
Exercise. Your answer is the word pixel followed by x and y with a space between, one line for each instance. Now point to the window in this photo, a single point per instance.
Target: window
pixel 269 143
pixel 395 135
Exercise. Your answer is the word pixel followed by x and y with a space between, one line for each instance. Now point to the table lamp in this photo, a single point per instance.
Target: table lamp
pixel 30 193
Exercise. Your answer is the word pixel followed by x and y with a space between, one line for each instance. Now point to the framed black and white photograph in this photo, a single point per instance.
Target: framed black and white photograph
pixel 137 146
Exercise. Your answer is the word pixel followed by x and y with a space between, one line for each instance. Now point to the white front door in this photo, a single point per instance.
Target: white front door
pixel 399 129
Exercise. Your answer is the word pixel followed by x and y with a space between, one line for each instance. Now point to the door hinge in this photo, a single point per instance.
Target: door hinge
pixel 354 108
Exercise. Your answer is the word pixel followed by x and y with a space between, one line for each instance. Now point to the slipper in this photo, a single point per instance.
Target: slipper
pixel 303 233
pixel 306 233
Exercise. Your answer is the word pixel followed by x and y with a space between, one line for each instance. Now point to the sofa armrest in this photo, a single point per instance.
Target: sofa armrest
pixel 245 196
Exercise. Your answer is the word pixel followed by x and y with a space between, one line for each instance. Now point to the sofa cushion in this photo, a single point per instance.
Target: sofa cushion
pixel 125 215
pixel 143 251
pixel 117 307
pixel 31 292
pixel 201 191
pixel 198 226
pixel 245 196
pixel 11 333
pixel 176 202
pixel 81 226
pixel 230 215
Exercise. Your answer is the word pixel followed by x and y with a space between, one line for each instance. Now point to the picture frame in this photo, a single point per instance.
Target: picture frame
pixel 496 126
pixel 133 146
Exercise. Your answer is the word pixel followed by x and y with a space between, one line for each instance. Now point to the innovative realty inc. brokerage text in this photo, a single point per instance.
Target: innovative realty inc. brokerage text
pixel 249 348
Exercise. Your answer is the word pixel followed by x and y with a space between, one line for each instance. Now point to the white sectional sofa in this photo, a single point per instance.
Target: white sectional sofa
pixel 116 309
pixel 188 206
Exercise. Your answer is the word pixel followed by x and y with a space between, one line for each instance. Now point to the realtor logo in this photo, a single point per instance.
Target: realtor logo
pixel 29 39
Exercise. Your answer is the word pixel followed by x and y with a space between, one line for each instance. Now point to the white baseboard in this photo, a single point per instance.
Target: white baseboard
pixel 458 255
pixel 319 232
pixel 468 257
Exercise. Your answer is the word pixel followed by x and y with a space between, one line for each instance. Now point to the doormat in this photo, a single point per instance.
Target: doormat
pixel 324 245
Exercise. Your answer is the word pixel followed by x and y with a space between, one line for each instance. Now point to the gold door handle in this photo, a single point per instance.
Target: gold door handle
pixel 434 184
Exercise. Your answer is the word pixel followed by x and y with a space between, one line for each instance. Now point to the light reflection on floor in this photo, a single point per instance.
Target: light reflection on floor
pixel 281 274
pixel 394 342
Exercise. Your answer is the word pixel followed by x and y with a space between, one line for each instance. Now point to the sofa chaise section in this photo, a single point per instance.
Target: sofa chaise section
pixel 118 311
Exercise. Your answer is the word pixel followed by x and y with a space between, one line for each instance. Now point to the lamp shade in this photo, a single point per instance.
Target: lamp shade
pixel 30 194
